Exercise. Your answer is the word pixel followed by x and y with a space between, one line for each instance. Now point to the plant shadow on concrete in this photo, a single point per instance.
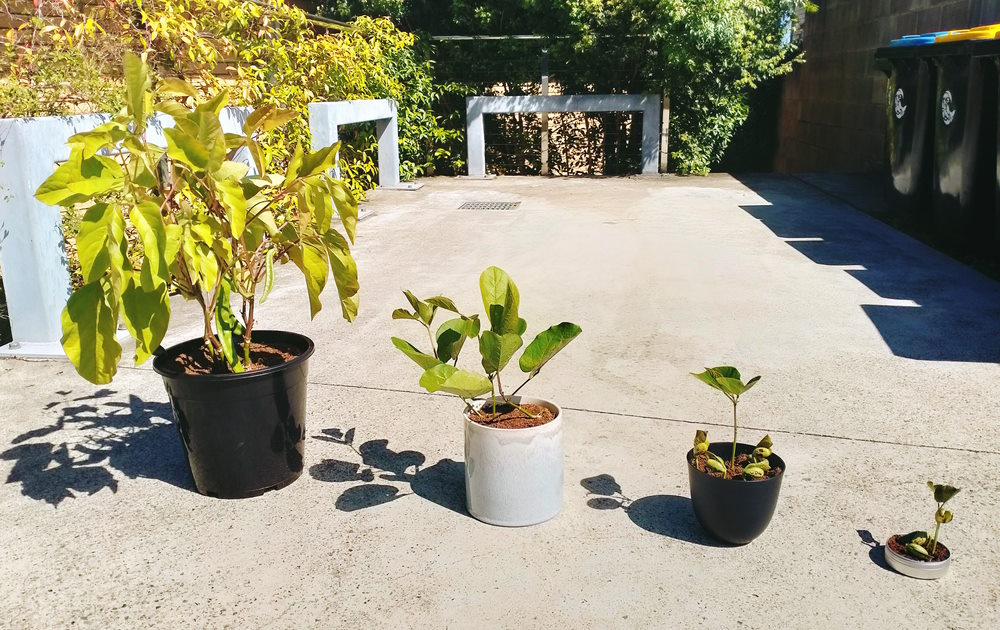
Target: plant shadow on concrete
pixel 953 311
pixel 663 514
pixel 443 483
pixel 94 437
pixel 876 552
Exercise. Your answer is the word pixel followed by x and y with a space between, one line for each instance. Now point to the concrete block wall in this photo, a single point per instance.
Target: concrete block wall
pixel 833 106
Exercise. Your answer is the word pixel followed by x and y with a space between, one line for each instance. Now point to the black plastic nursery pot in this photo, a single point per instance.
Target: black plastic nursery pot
pixel 244 434
pixel 733 510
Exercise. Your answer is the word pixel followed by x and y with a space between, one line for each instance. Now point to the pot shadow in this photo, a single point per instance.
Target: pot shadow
pixel 442 483
pixel 876 550
pixel 666 515
pixel 94 437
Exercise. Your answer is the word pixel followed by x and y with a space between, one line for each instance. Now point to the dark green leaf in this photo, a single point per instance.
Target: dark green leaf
pixel 546 345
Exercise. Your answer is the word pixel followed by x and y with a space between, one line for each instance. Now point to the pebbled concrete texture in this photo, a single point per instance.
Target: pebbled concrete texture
pixel 880 371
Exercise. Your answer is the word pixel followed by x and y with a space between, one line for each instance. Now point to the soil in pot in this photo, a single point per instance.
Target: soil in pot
pixel 199 361
pixel 508 416
pixel 940 553
pixel 735 472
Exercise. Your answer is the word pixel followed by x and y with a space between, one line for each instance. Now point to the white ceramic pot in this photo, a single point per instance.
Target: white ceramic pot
pixel 514 477
pixel 919 569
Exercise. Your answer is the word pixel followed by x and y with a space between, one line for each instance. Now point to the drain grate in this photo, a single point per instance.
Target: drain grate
pixel 489 205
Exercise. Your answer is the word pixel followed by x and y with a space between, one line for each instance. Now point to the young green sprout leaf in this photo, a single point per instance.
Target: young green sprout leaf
pixel 727 380
pixel 701 443
pixel 942 494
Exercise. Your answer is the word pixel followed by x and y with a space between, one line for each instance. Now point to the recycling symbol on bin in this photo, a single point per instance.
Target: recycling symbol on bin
pixel 898 104
pixel 947 111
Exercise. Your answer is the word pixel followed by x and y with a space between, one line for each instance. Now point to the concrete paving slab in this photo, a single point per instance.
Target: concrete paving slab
pixel 879 362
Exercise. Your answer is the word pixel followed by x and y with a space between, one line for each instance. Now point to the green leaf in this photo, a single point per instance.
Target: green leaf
pixel 546 345
pixel 146 313
pixel 230 194
pixel 227 327
pixel 402 313
pixel 137 84
pixel 314 263
pixel 172 108
pixel 451 336
pixel 79 179
pixel 214 105
pixel 92 241
pixel 89 325
pixel 152 231
pixel 943 492
pixel 715 464
pixel 294 165
pixel 171 86
pixel 423 360
pixel 501 300
pixel 319 161
pixel 268 275
pixel 267 118
pixel 448 378
pixel 701 442
pixel 104 136
pixel 497 349
pixel 345 273
pixel 754 470
pixel 442 302
pixel 917 551
pixel 197 141
pixel 423 310
pixel 765 442
pixel 347 206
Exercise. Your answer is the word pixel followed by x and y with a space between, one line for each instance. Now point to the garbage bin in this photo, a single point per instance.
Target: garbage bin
pixel 909 125
pixel 965 127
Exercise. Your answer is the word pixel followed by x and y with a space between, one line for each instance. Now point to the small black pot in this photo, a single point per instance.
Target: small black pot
pixel 244 434
pixel 733 510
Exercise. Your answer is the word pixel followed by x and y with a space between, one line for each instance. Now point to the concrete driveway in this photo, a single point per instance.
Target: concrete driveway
pixel 880 371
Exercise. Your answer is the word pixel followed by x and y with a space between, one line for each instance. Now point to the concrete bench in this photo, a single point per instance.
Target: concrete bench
pixel 649 105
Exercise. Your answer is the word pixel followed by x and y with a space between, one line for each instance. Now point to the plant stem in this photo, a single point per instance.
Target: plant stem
pixel 431 337
pixel 530 376
pixel 247 332
pixel 732 461
pixel 937 528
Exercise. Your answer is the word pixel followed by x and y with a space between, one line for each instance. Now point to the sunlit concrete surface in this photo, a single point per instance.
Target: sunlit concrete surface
pixel 880 371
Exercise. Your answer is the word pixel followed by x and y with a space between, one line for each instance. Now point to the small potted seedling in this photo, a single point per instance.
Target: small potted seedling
pixel 733 498
pixel 918 554
pixel 513 444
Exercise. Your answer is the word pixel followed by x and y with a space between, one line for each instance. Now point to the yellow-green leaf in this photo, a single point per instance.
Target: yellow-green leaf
pixel 89 325
pixel 146 313
pixel 149 224
pixel 92 242
pixel 231 197
pixel 137 84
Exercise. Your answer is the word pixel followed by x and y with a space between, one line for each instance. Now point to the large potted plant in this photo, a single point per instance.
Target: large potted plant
pixel 733 499
pixel 513 444
pixel 920 554
pixel 186 219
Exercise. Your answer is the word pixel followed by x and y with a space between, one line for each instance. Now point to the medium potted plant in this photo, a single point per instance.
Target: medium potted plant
pixel 733 499
pixel 186 219
pixel 918 554
pixel 513 444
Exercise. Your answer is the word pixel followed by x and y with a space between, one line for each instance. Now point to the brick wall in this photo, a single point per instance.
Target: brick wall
pixel 832 115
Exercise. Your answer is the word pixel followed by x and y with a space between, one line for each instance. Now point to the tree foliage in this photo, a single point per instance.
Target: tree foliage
pixel 707 55
pixel 265 53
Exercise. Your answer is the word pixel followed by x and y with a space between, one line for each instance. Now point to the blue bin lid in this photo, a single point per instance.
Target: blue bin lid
pixel 917 40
